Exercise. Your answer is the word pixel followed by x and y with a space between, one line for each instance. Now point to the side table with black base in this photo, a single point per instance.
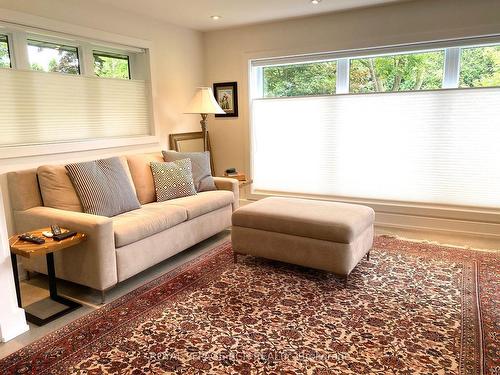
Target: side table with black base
pixel 27 250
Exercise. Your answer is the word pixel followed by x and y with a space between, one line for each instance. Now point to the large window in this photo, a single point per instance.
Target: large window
pixel 419 126
pixel 111 65
pixel 404 72
pixel 4 52
pixel 78 106
pixel 52 57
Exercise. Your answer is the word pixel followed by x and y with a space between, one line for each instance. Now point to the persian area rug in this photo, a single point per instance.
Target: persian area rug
pixel 412 309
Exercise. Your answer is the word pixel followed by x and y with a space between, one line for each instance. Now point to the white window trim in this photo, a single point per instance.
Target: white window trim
pixel 451 69
pixel 17 26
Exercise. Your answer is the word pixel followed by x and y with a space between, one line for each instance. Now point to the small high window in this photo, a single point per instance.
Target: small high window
pixel 318 78
pixel 111 65
pixel 52 57
pixel 4 52
pixel 480 66
pixel 402 72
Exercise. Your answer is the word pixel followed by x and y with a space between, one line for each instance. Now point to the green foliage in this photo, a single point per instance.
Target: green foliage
pixel 4 54
pixel 422 71
pixel 480 67
pixel 303 79
pixel 37 67
pixel 68 63
pixel 111 67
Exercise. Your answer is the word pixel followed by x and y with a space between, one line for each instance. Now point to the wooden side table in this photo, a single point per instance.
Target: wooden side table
pixel 28 250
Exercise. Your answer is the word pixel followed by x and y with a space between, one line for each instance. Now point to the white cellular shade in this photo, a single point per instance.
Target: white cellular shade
pixel 39 107
pixel 430 146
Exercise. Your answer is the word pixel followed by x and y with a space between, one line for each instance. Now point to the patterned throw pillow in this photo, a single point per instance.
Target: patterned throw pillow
pixel 103 186
pixel 200 162
pixel 173 180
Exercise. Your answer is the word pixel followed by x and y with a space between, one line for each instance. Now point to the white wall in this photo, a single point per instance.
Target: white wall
pixel 176 67
pixel 226 59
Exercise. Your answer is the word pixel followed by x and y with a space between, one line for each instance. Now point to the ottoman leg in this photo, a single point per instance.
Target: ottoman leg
pixel 235 256
pixel 368 256
pixel 346 280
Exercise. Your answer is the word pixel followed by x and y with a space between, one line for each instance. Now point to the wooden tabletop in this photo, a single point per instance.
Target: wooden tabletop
pixel 28 249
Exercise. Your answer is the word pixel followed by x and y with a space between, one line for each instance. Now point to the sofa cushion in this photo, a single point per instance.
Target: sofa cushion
pixel 200 163
pixel 140 169
pixel 329 221
pixel 103 186
pixel 57 189
pixel 204 202
pixel 173 180
pixel 150 219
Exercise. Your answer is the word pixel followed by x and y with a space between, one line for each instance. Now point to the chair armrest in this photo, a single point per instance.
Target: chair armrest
pixel 230 184
pixel 93 262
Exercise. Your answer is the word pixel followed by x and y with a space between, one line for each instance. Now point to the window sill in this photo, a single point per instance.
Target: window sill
pixel 74 146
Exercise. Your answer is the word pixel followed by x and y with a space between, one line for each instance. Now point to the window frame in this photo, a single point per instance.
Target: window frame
pixel 451 69
pixel 115 56
pixel 9 50
pixel 87 40
pixel 36 38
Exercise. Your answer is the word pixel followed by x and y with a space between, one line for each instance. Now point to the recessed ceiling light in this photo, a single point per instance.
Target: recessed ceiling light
pixel 315 2
pixel 215 17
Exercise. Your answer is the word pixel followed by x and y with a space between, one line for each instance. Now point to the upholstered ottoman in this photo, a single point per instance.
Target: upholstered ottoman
pixel 325 235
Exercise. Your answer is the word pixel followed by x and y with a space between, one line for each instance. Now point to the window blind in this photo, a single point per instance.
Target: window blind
pixel 430 146
pixel 38 108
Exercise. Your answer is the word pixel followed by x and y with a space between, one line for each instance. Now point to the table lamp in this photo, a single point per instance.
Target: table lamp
pixel 204 103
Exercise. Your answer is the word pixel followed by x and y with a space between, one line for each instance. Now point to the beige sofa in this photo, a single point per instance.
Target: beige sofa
pixel 121 246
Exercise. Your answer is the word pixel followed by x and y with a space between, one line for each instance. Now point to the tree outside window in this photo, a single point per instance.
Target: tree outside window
pixel 4 52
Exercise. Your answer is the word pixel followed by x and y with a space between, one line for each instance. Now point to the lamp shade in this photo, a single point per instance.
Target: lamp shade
pixel 204 102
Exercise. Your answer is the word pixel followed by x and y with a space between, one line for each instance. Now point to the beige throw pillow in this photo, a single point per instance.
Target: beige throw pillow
pixel 57 189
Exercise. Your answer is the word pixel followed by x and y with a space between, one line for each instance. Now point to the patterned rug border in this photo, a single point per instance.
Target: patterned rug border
pixel 382 243
pixel 90 318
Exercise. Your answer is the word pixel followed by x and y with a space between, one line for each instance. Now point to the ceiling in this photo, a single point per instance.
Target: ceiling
pixel 196 14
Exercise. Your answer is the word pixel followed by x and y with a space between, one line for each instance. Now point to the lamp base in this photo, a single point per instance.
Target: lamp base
pixel 203 123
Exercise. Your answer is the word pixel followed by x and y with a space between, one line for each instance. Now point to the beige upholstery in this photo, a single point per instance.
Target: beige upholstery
pixel 329 221
pixel 140 170
pixel 229 184
pixel 324 235
pixel 141 255
pixel 92 263
pixel 339 258
pixel 57 189
pixel 150 219
pixel 23 190
pixel 144 237
pixel 202 203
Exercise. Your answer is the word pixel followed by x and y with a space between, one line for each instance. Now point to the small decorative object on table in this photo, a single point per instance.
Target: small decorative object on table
pixel 48 247
pixel 233 173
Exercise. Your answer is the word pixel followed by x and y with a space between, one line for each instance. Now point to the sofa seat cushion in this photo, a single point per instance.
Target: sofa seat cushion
pixel 150 219
pixel 328 221
pixel 203 202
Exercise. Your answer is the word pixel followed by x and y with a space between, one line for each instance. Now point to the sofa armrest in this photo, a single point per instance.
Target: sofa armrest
pixel 93 262
pixel 230 184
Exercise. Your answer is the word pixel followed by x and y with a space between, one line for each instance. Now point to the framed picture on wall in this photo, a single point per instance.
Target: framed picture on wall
pixel 226 94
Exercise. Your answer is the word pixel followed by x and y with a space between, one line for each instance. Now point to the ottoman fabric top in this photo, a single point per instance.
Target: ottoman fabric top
pixel 329 221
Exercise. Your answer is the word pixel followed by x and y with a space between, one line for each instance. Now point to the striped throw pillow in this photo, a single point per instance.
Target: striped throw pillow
pixel 103 187
pixel 173 179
